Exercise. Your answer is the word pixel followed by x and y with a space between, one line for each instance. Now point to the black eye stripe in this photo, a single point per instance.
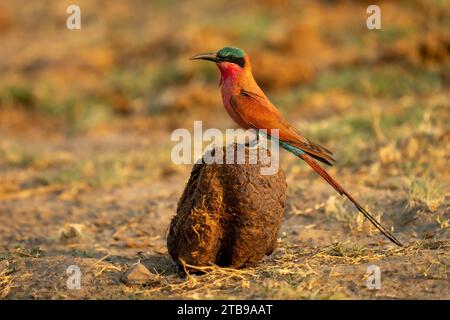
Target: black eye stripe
pixel 240 61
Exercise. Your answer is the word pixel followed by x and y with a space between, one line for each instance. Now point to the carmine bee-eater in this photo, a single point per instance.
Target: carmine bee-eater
pixel 249 107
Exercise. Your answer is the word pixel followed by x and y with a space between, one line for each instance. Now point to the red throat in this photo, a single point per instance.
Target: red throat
pixel 229 72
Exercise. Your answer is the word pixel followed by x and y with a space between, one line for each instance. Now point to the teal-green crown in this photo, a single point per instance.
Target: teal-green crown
pixel 228 52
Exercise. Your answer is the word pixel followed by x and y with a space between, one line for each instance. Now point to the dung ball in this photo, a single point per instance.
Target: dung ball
pixel 228 214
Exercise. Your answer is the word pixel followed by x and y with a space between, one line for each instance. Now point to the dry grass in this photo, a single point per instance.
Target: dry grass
pixel 6 279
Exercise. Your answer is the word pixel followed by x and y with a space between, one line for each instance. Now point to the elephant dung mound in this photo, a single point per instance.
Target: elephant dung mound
pixel 229 214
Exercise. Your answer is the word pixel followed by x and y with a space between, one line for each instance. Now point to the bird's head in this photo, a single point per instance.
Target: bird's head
pixel 230 60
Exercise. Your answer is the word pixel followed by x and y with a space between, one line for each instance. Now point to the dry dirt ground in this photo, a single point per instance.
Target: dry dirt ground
pixel 324 246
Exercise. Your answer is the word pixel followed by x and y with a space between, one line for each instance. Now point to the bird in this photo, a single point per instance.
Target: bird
pixel 249 107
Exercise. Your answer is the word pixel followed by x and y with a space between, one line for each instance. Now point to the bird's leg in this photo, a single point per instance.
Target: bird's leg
pixel 254 142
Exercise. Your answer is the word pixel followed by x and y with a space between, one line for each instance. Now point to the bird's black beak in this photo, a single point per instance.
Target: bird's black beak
pixel 210 56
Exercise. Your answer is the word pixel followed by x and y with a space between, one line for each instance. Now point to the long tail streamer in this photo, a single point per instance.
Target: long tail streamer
pixel 313 164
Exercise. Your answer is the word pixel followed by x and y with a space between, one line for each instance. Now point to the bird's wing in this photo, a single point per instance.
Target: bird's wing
pixel 260 113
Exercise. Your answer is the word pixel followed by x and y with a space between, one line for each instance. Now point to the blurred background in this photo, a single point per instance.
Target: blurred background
pixel 86 115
